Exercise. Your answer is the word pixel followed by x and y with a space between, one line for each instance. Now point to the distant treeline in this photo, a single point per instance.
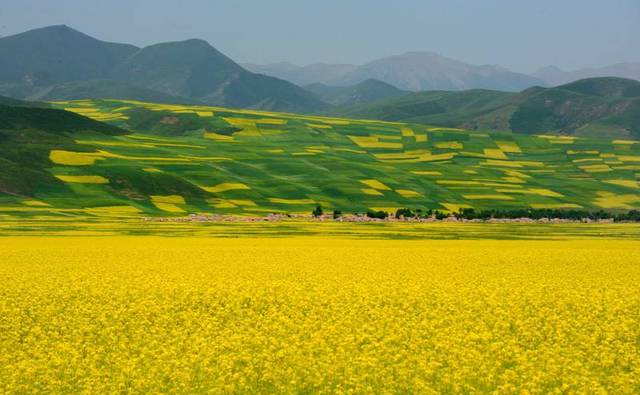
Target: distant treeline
pixel 529 213
pixel 534 214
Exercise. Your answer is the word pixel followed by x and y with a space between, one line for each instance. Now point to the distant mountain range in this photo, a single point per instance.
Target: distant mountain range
pixel 423 71
pixel 413 71
pixel 597 107
pixel 58 62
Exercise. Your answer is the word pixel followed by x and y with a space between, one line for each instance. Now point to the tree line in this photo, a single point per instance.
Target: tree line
pixel 473 214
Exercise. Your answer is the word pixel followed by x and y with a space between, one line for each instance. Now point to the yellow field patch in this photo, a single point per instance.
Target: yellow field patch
pixel 353 151
pixel 554 205
pixel 371 191
pixel 406 131
pixel 558 139
pixel 248 126
pixel 416 156
pixel 113 211
pixel 331 121
pixel 226 186
pixel 495 153
pixel 375 184
pixel 488 197
pixel 408 193
pixel 168 207
pixel 426 172
pixel 152 170
pixel 587 152
pixel 532 191
pixel 629 158
pixel 477 182
pixel 613 201
pixel 205 114
pixel 373 142
pixel 625 142
pixel 35 203
pixel 292 201
pixel 170 199
pixel 168 203
pixel 243 202
pixel 596 168
pixel 585 160
pixel 514 180
pixel 421 138
pixel 83 179
pixel 449 145
pixel 625 183
pixel 275 151
pixel 271 121
pixel 515 173
pixel 217 137
pixel 224 204
pixel 70 158
pixel 512 163
pixel 508 146
pixel 319 126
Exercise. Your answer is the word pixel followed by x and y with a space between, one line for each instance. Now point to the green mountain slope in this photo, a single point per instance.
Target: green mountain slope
pixel 365 92
pixel 97 89
pixel 27 136
pixel 598 107
pixel 57 54
pixel 189 159
pixel 196 70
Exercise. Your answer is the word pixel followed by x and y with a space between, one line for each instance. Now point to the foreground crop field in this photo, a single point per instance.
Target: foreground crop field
pixel 314 315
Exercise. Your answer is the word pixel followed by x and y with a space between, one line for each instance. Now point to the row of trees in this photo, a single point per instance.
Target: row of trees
pixel 471 214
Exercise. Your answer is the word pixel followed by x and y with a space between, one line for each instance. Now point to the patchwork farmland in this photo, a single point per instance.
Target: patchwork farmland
pixel 200 159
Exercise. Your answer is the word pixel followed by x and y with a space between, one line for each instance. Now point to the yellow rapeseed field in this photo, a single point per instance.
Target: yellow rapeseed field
pixel 313 315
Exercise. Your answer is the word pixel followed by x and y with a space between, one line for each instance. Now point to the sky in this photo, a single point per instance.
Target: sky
pixel 522 35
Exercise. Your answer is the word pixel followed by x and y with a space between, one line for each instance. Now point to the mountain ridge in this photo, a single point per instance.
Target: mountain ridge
pixel 604 107
pixel 37 62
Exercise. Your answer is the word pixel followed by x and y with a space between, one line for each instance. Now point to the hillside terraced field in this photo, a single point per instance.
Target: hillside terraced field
pixel 188 159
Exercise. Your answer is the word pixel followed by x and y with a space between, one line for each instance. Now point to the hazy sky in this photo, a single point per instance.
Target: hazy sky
pixel 519 34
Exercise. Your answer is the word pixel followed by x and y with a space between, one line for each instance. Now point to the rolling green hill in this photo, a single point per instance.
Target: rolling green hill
pixel 189 159
pixel 596 107
pixel 27 135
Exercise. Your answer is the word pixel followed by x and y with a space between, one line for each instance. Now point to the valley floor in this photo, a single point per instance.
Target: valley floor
pixel 91 226
pixel 320 314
